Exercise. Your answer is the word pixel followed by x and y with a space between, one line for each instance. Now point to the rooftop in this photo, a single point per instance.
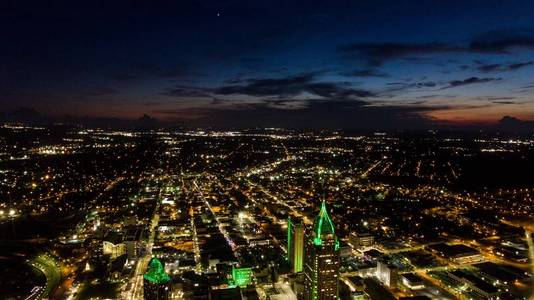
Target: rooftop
pixel 323 224
pixel 156 273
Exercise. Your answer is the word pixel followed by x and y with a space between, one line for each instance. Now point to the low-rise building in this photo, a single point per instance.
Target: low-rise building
pixel 475 285
pixel 360 240
pixel 412 281
pixel 458 253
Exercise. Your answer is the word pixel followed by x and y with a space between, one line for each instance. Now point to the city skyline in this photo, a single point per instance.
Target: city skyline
pixel 339 64
pixel 264 214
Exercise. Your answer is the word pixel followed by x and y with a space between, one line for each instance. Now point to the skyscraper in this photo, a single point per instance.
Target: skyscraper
pixel 295 244
pixel 387 274
pixel 321 268
pixel 156 283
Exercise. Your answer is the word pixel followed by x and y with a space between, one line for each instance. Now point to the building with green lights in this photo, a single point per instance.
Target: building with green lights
pixel 295 244
pixel 157 284
pixel 241 276
pixel 321 264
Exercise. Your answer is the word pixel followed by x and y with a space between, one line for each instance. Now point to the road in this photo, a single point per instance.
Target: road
pixel 49 267
pixel 136 282
pixel 221 227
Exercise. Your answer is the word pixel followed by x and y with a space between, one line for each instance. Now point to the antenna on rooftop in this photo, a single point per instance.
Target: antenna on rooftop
pixel 323 188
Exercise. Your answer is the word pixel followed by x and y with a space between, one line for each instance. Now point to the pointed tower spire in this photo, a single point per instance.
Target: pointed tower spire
pixel 323 224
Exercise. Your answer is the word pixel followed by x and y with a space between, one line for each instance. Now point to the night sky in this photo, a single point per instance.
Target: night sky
pixel 346 64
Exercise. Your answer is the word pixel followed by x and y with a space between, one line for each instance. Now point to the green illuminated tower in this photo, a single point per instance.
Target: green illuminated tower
pixel 295 244
pixel 156 284
pixel 321 267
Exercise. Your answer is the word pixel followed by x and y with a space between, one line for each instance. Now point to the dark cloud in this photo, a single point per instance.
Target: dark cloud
pixel 317 113
pixel 290 104
pixel 500 98
pixel 423 84
pixel 468 81
pixel 273 87
pixel 513 124
pixel 365 73
pixel 292 86
pixel 268 87
pixel 490 68
pixel 416 102
pixel 520 65
pixel 377 53
pixel 524 89
pixel 435 96
pixel 503 67
pixel 502 41
pixel 402 86
pixel 217 101
pixel 505 102
pixel 333 90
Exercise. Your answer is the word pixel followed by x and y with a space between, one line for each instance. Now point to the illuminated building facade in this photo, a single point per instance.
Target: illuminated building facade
pixel 360 240
pixel 114 250
pixel 295 244
pixel 241 276
pixel 156 283
pixel 387 274
pixel 321 267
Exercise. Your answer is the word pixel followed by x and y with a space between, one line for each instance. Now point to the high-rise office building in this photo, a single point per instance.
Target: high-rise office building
pixel 156 283
pixel 387 274
pixel 295 244
pixel 321 267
